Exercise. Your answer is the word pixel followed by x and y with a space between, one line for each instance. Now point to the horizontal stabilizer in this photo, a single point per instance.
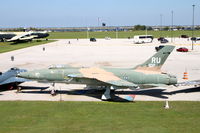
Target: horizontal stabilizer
pixel 188 83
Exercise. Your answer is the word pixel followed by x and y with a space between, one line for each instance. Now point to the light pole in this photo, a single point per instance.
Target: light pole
pixel 146 31
pixel 193 27
pixel 161 24
pixel 98 21
pixel 116 32
pixel 172 27
pixel 88 32
pixel 87 28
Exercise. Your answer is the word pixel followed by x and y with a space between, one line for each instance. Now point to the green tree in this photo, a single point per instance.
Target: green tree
pixel 166 28
pixel 139 27
pixel 149 28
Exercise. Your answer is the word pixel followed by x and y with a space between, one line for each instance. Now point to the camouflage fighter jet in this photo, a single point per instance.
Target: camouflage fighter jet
pixel 145 75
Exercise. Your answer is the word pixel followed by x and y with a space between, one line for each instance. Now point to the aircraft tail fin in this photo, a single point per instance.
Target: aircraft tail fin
pixel 155 62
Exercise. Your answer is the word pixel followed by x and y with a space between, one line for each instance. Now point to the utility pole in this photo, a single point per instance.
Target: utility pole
pixel 193 28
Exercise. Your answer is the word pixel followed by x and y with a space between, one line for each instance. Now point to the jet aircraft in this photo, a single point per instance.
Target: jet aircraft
pixel 8 80
pixel 4 36
pixel 22 36
pixel 145 75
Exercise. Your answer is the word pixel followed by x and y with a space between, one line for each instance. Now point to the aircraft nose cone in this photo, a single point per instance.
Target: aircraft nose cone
pixel 30 75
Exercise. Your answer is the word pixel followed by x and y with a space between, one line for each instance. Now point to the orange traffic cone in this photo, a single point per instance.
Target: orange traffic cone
pixel 185 75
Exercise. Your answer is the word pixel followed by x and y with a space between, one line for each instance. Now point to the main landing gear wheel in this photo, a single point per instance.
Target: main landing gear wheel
pixel 106 96
pixel 53 92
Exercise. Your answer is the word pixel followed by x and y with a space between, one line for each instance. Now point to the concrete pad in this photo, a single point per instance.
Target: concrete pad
pixel 106 53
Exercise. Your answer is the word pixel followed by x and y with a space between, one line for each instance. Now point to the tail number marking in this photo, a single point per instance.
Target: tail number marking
pixel 155 60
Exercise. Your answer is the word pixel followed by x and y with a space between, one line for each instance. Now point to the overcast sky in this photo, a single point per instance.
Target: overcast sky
pixel 78 13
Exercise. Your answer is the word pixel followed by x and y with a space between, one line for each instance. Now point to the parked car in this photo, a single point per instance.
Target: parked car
pixel 159 47
pixel 93 40
pixel 107 38
pixel 164 41
pixel 184 36
pixel 182 49
pixel 160 38
pixel 195 38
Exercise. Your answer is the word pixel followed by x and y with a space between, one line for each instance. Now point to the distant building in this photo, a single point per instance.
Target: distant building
pixel 99 28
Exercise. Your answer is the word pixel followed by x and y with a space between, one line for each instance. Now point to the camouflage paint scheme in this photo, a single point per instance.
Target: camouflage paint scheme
pixel 145 75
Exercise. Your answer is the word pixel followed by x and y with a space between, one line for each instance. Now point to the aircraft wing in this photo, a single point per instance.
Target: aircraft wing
pixel 13 80
pixel 27 38
pixel 121 83
pixel 22 37
pixel 14 38
pixel 114 80
pixel 152 85
pixel 188 83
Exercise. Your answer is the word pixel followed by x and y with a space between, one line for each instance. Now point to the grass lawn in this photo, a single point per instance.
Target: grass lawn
pixel 99 117
pixel 9 46
pixel 121 34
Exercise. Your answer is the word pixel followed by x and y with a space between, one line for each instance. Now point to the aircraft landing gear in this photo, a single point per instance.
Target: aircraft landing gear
pixel 53 92
pixel 106 96
pixel 19 89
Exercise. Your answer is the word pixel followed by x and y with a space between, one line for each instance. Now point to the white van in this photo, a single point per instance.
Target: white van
pixel 143 39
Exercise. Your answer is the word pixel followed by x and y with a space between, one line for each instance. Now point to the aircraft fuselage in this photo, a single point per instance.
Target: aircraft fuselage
pixel 60 76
